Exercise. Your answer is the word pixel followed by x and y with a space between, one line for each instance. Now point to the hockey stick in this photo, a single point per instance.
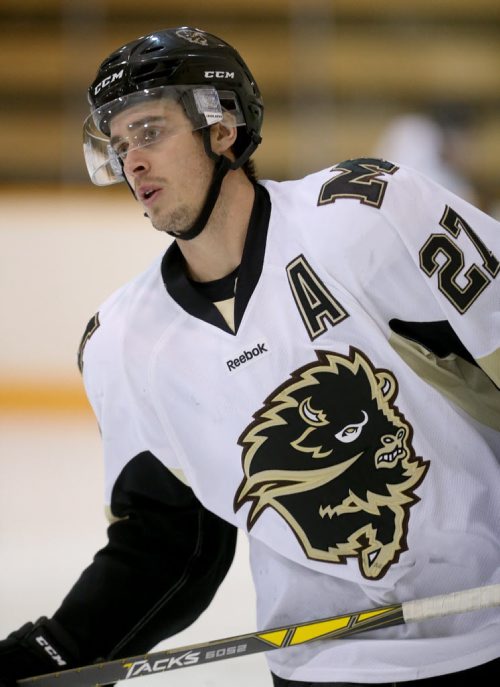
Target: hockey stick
pixel 267 640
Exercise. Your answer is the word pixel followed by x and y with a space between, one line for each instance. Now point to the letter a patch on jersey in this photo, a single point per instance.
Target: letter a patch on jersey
pixel 315 303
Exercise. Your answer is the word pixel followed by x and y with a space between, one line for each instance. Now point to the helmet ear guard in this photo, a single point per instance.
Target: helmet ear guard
pixel 231 115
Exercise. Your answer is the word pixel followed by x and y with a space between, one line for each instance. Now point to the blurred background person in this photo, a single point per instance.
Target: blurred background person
pixel 423 143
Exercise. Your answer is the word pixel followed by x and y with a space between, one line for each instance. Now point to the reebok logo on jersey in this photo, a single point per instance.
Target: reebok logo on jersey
pixel 246 356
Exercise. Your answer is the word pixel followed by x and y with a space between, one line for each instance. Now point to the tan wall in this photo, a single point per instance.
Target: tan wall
pixel 333 74
pixel 62 254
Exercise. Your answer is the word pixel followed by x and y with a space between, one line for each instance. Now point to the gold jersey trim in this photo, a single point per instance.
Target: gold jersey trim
pixel 466 385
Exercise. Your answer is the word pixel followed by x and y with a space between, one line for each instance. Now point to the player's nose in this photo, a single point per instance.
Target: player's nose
pixel 136 163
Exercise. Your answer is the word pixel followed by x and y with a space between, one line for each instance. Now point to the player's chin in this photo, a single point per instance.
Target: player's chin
pixel 178 222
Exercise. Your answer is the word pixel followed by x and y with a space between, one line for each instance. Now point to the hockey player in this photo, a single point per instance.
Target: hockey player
pixel 316 362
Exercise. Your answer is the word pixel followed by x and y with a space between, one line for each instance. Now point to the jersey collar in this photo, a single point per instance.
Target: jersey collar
pixel 190 299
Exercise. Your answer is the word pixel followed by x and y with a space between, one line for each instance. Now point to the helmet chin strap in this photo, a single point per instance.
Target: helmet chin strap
pixel 222 165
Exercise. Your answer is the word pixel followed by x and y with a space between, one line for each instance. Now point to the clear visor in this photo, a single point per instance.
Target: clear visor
pixel 146 118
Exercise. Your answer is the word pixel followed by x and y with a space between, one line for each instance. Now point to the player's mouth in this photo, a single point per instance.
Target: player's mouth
pixel 149 194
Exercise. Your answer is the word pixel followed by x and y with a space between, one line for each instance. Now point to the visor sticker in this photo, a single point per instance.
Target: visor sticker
pixel 208 104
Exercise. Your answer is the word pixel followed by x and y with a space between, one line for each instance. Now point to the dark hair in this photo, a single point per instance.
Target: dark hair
pixel 249 168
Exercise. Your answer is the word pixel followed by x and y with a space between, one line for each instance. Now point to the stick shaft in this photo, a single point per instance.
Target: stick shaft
pixel 276 638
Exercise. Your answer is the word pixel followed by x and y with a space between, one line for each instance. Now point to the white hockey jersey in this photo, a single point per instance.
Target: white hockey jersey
pixel 350 423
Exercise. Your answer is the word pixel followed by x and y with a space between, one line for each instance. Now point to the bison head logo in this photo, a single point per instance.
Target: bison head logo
pixel 332 454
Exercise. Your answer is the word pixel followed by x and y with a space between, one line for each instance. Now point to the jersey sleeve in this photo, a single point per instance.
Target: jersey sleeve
pixel 166 553
pixel 165 558
pixel 456 249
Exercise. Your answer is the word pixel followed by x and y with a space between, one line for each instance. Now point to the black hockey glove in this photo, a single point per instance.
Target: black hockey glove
pixel 36 649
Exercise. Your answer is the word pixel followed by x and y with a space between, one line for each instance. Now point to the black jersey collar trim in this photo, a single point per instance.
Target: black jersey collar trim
pixel 219 289
pixel 185 293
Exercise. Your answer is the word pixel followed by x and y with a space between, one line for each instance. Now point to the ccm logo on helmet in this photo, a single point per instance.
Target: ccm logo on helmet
pixel 108 81
pixel 219 75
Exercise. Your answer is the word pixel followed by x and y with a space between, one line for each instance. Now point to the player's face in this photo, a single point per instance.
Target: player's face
pixel 164 161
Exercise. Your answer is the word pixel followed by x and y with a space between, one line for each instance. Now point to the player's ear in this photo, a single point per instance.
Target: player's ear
pixel 222 137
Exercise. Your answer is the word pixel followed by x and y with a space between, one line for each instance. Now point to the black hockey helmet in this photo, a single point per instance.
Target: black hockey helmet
pixel 182 57
pixel 206 76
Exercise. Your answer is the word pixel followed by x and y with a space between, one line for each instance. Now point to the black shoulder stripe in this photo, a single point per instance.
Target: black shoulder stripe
pixel 438 337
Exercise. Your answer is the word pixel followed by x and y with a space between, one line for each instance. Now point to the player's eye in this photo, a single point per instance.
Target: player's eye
pixel 120 148
pixel 352 431
pixel 150 134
